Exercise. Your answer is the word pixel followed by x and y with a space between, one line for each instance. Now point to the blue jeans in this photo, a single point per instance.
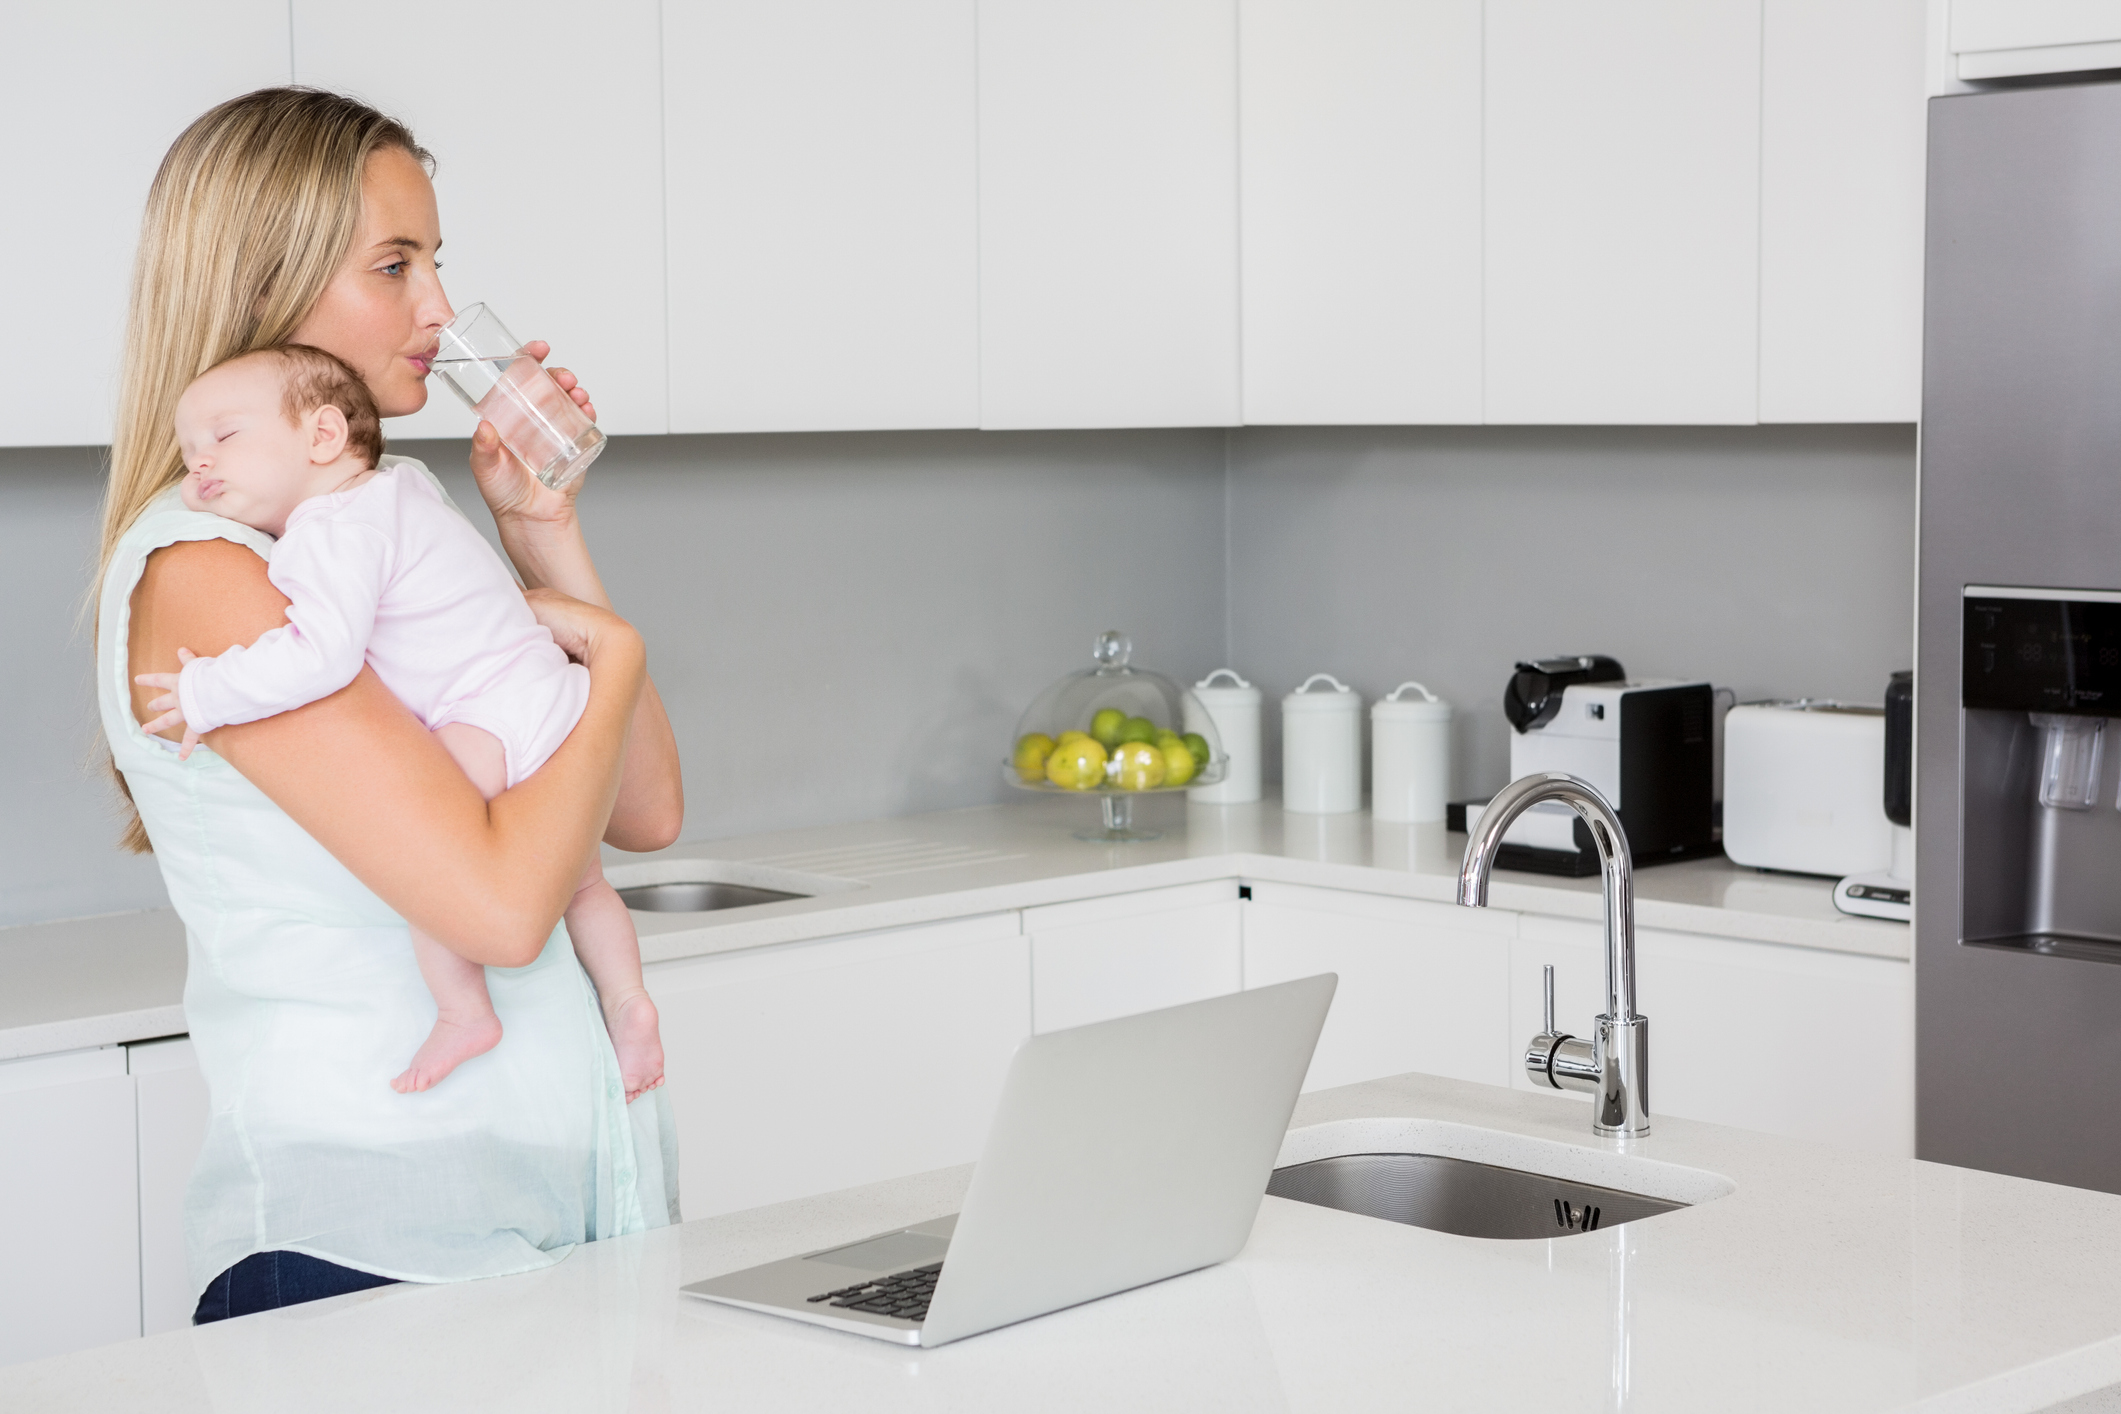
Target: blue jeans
pixel 264 1281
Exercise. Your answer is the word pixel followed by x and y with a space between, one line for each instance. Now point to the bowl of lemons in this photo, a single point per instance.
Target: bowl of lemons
pixel 1114 731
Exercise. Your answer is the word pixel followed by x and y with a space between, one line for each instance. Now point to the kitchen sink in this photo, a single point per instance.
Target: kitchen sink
pixel 676 887
pixel 703 896
pixel 1462 1196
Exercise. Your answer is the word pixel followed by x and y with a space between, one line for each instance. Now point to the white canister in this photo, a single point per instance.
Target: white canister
pixel 1234 710
pixel 1321 748
pixel 1410 756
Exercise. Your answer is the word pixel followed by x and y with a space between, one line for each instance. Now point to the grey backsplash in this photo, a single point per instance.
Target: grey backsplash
pixel 846 625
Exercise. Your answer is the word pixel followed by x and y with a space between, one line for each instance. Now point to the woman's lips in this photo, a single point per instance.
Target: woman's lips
pixel 422 361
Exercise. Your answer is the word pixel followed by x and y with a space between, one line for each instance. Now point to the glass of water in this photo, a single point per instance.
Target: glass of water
pixel 485 365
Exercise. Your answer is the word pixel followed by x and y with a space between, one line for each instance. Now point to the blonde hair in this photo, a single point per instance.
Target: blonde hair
pixel 251 213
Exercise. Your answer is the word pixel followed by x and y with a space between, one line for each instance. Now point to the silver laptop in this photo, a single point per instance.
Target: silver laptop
pixel 1122 1153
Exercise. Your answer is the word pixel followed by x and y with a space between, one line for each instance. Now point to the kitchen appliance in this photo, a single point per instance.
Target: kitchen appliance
pixel 1890 893
pixel 1801 787
pixel 2018 660
pixel 1232 709
pixel 1321 748
pixel 1410 756
pixel 1647 747
pixel 1121 1153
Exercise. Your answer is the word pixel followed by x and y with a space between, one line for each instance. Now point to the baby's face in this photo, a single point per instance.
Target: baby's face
pixel 242 458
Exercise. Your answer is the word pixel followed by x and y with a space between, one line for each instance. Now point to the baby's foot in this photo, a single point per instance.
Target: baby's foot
pixel 449 1045
pixel 631 1019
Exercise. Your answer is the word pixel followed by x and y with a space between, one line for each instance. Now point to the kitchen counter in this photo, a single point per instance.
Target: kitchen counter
pixel 1823 1281
pixel 119 978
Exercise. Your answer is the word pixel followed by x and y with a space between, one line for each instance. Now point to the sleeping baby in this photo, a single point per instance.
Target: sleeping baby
pixel 379 568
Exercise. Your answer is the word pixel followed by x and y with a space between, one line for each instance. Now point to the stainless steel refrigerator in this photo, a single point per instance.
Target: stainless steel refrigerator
pixel 2018 670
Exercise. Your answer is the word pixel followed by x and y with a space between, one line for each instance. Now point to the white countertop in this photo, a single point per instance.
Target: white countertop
pixel 1825 1281
pixel 119 978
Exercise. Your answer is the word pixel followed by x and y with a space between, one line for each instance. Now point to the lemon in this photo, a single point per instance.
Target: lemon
pixel 1179 765
pixel 1141 766
pixel 1066 737
pixel 1077 765
pixel 1198 745
pixel 1031 754
pixel 1105 726
pixel 1137 729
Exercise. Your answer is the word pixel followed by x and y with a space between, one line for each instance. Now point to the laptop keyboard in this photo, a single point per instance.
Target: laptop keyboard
pixel 902 1294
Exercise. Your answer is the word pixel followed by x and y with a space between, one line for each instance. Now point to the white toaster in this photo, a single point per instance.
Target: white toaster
pixel 1804 787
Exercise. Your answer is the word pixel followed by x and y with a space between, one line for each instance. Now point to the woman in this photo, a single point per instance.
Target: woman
pixel 298 848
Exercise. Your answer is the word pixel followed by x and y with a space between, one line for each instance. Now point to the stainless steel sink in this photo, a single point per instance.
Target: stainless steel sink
pixel 697 896
pixel 1461 1196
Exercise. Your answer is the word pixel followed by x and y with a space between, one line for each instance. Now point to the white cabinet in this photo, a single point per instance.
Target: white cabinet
pixel 1108 270
pixel 545 122
pixel 1623 208
pixel 1362 210
pixel 71 1278
pixel 1841 192
pixel 95 94
pixel 172 1129
pixel 1793 1041
pixel 823 211
pixel 1107 957
pixel 1993 39
pixel 814 1066
pixel 1423 986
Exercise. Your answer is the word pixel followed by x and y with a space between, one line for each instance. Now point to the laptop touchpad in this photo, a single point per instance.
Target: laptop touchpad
pixel 881 1254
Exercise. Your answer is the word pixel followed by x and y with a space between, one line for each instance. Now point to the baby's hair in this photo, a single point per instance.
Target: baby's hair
pixel 315 379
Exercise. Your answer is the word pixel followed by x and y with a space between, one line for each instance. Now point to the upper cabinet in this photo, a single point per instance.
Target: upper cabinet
pixel 1360 132
pixel 1108 274
pixel 94 96
pixel 546 131
pixel 1995 39
pixel 1841 163
pixel 1623 211
pixel 823 214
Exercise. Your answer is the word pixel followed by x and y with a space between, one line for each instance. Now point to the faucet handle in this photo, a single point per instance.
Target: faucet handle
pixel 1548 1025
pixel 1556 1059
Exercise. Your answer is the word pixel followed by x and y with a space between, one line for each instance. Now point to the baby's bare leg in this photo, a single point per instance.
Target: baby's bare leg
pixel 611 954
pixel 465 1024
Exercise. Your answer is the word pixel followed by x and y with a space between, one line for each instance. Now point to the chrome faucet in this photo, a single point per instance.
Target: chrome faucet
pixel 1614 1065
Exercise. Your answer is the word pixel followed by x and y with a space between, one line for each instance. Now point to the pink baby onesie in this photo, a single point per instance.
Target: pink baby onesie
pixel 390 573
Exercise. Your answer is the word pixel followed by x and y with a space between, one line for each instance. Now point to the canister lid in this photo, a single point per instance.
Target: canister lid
pixel 1341 699
pixel 1428 707
pixel 1236 693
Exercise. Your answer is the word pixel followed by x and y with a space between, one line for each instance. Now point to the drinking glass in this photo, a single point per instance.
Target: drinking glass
pixel 485 365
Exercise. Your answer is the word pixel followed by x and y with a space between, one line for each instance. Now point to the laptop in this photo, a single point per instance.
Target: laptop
pixel 1121 1153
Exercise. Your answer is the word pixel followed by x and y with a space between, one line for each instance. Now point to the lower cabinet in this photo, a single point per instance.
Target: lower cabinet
pixel 172 1129
pixel 71 1278
pixel 1792 1041
pixel 1423 986
pixel 1107 957
pixel 813 1066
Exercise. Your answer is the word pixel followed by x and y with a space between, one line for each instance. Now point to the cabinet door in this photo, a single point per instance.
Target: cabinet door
pixel 172 1129
pixel 824 223
pixel 1841 181
pixel 1840 1067
pixel 1108 213
pixel 1623 208
pixel 1361 161
pixel 95 94
pixel 814 1066
pixel 1423 986
pixel 67 1183
pixel 1107 957
pixel 545 120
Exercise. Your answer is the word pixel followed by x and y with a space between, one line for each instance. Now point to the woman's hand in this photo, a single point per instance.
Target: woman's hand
pixel 520 501
pixel 581 629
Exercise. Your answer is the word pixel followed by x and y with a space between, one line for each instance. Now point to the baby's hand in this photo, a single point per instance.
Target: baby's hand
pixel 172 713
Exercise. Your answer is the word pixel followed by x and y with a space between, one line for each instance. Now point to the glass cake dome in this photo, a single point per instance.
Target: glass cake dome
pixel 1114 731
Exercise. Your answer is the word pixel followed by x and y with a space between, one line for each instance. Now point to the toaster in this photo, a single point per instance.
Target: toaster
pixel 1801 787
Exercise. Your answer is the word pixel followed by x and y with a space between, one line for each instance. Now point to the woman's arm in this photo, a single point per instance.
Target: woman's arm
pixel 543 539
pixel 488 879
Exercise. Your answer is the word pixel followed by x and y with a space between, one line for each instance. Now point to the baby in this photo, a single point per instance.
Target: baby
pixel 378 567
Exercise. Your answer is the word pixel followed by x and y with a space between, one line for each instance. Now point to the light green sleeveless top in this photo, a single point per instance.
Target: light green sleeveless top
pixel 304 1000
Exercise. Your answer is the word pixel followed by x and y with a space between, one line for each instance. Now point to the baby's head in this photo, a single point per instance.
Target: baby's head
pixel 263 432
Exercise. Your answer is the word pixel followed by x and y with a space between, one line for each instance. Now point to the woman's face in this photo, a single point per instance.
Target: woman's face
pixel 382 310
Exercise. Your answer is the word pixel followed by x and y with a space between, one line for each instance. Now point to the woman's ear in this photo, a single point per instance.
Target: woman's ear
pixel 327 435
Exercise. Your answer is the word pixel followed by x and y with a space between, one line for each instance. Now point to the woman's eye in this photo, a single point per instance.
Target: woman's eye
pixel 396 267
